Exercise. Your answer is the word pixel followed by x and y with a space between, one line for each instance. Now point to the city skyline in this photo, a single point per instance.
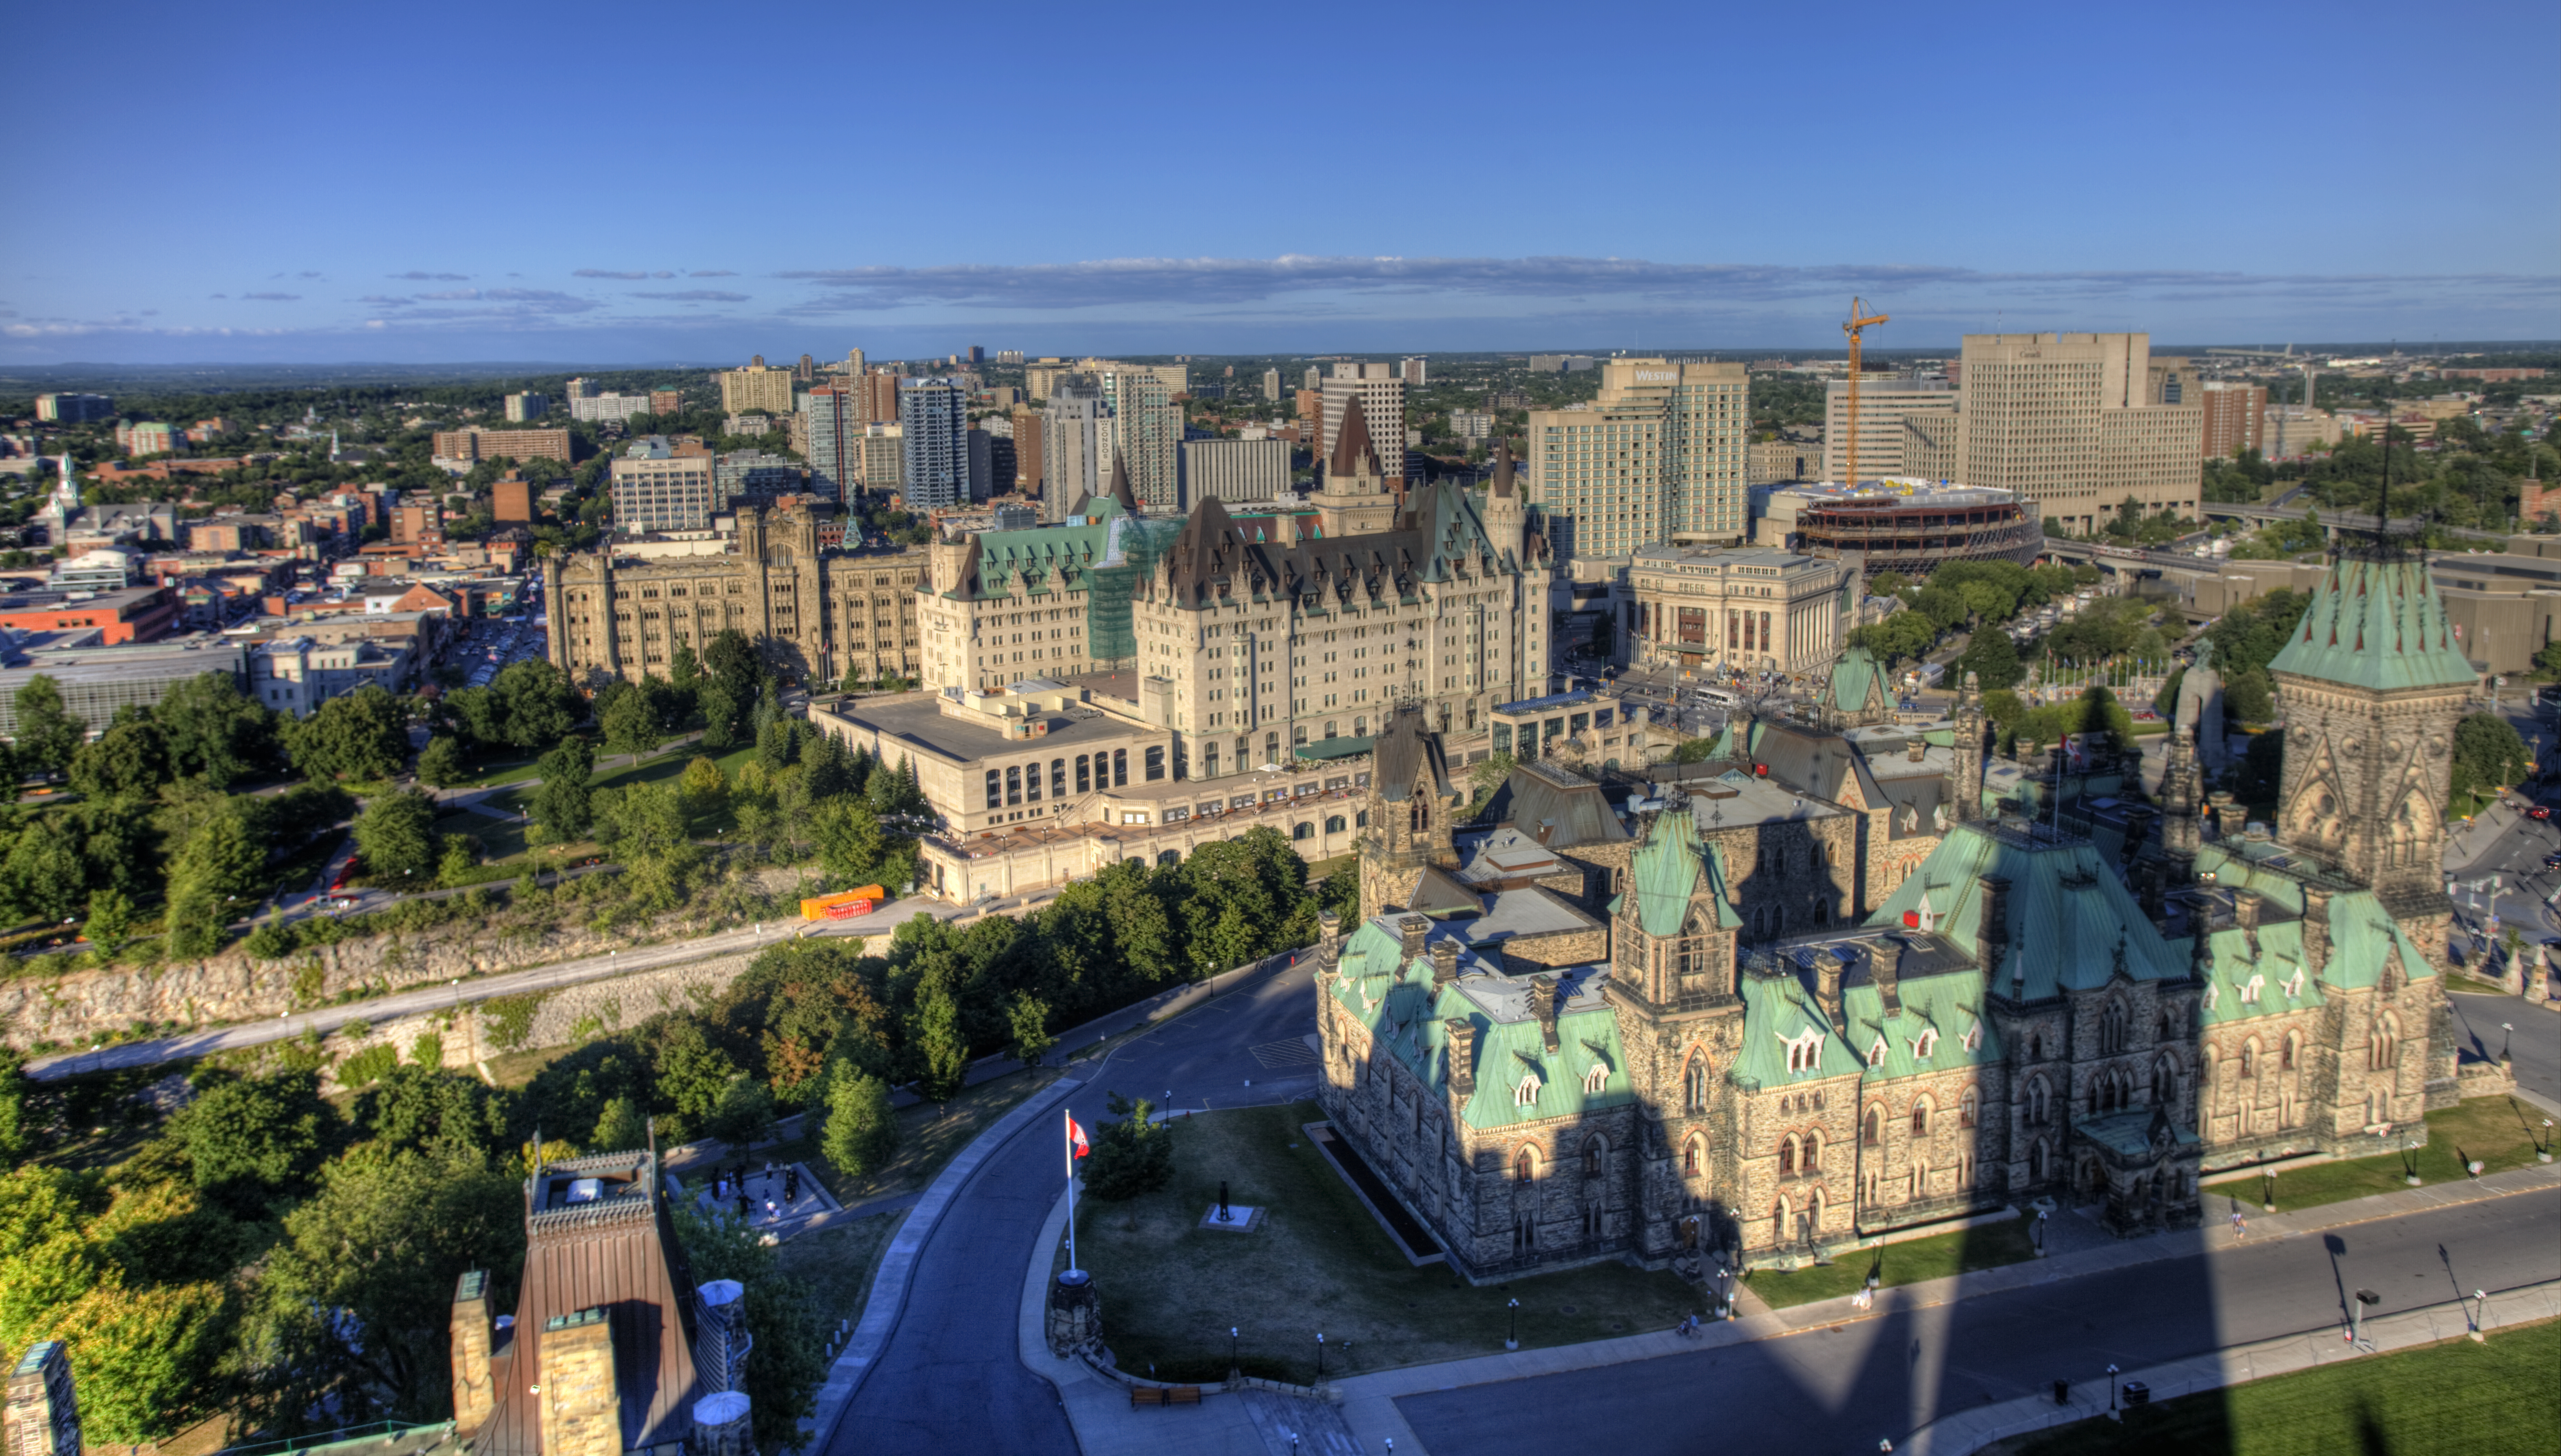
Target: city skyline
pixel 2054 171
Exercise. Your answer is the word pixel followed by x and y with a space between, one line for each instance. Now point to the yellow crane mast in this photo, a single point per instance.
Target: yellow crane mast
pixel 1860 319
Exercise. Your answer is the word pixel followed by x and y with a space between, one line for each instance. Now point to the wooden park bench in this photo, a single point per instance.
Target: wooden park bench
pixel 1163 1395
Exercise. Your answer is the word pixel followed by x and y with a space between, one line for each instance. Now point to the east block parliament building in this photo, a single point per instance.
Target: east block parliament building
pixel 1577 1047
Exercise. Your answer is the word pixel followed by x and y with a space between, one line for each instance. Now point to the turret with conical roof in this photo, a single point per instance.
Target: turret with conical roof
pixel 1358 497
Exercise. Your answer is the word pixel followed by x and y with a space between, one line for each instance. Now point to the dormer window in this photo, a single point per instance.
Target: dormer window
pixel 2294 986
pixel 1525 1094
pixel 2213 993
pixel 1596 1078
pixel 1876 1053
pixel 1972 1040
pixel 2250 990
pixel 1928 1042
pixel 1805 1050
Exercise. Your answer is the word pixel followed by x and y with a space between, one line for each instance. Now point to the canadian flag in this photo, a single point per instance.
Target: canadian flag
pixel 1075 1137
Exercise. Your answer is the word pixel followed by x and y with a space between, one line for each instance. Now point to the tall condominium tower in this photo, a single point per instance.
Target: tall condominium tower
pixel 1077 446
pixel 1658 457
pixel 1884 403
pixel 836 430
pixel 1148 433
pixel 2070 421
pixel 1381 392
pixel 933 420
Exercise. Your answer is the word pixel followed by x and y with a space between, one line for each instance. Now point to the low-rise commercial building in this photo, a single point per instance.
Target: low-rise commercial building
pixel 97 677
pixel 296 675
pixel 136 614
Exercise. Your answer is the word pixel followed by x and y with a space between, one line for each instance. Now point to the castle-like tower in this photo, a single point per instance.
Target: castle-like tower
pixel 1358 497
pixel 1410 809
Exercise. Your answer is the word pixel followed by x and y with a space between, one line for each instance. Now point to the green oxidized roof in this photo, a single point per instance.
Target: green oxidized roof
pixel 1664 875
pixel 2070 917
pixel 1394 999
pixel 2362 935
pixel 1777 1011
pixel 2378 625
pixel 1951 1006
pixel 1853 677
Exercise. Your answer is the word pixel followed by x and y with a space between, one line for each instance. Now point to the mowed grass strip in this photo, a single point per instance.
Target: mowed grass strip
pixel 2493 1130
pixel 1172 1290
pixel 2455 1396
pixel 1984 1246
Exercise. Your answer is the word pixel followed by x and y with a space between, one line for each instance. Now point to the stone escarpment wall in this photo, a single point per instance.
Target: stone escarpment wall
pixel 235 986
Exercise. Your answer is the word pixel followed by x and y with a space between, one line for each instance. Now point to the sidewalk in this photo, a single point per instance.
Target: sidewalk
pixel 1957 1435
pixel 1367 1409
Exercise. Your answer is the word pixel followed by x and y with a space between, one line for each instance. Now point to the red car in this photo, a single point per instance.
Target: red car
pixel 2538 812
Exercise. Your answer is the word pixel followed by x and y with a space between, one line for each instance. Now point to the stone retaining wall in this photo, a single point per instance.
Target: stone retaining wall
pixel 234 986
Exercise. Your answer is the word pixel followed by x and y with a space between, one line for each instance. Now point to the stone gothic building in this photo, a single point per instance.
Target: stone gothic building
pixel 2011 1021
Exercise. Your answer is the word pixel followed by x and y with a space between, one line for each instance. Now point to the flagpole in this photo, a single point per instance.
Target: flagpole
pixel 1071 1193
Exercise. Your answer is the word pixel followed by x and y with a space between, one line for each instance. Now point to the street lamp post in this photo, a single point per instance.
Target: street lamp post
pixel 1233 1368
pixel 1513 1340
pixel 1320 1357
pixel 2507 1034
pixel 2112 1391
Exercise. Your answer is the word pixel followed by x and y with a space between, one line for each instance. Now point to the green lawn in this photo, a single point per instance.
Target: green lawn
pixel 496 771
pixel 2493 1130
pixel 928 1137
pixel 500 839
pixel 2455 1396
pixel 1321 1263
pixel 1984 1246
pixel 612 772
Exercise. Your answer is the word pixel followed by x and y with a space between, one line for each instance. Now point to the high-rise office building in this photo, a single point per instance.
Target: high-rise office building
pixel 2064 420
pixel 656 486
pixel 1658 457
pixel 74 409
pixel 755 387
pixel 1147 427
pixel 2236 417
pixel 884 458
pixel 933 420
pixel 521 408
pixel 1077 446
pixel 1236 470
pixel 1027 453
pixel 977 356
pixel 807 371
pixel 877 393
pixel 1884 402
pixel 1272 386
pixel 835 426
pixel 1314 378
pixel 1416 371
pixel 1381 392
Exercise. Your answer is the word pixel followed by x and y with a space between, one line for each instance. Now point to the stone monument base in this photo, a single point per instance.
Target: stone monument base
pixel 1241 1218
pixel 1074 1315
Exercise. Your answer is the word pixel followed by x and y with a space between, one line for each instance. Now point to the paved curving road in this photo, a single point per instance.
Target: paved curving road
pixel 1845 1387
pixel 154 1049
pixel 951 1377
pixel 2480 1022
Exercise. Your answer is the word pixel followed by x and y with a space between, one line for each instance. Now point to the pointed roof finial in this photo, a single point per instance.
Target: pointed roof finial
pixel 1351 443
pixel 1502 488
pixel 1121 489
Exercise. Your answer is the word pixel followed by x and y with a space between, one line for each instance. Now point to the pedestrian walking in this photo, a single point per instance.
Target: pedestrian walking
pixel 2240 1226
pixel 771 1215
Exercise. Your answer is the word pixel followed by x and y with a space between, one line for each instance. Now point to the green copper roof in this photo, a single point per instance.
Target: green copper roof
pixel 2378 625
pixel 1665 873
pixel 1777 1012
pixel 1941 1012
pixel 1853 677
pixel 2070 917
pixel 2362 935
pixel 1394 999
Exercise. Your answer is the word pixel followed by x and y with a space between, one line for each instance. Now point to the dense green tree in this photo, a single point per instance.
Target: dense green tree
pixel 689 1075
pixel 45 735
pixel 215 732
pixel 826 769
pixel 702 789
pixel 250 1140
pixel 363 735
pixel 352 1321
pixel 414 1106
pixel 111 917
pixel 643 827
pixel 743 1116
pixel 861 1132
pixel 130 758
pixel 2488 753
pixel 851 844
pixel 1994 660
pixel 1132 1155
pixel 719 713
pixel 618 1127
pixel 397 837
pixel 894 790
pixel 942 1049
pixel 225 854
pixel 562 805
pixel 44 877
pixel 441 764
pixel 629 725
pixel 1030 1020
pixel 538 705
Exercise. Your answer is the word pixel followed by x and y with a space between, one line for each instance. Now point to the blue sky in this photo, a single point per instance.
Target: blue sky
pixel 647 182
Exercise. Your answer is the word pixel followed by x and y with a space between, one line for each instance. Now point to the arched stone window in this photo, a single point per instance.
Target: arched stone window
pixel 1967 1106
pixel 1333 824
pixel 2383 1046
pixel 1787 1156
pixel 1871 1129
pixel 1693 1156
pixel 1525 1166
pixel 1813 1152
pixel 1694 1083
pixel 1594 1150
pixel 2293 1049
pixel 2250 1057
pixel 1302 830
pixel 1921 1117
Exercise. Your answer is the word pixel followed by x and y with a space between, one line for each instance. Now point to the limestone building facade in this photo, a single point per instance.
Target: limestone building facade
pixel 819 615
pixel 2023 1014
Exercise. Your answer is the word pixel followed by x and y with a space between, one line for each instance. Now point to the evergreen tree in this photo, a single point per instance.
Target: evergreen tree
pixel 861 1132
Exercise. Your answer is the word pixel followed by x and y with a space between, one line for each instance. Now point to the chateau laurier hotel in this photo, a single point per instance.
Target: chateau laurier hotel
pixel 1247 637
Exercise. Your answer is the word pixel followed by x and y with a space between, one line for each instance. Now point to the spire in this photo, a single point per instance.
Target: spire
pixel 1501 489
pixel 1121 490
pixel 2376 623
pixel 1351 443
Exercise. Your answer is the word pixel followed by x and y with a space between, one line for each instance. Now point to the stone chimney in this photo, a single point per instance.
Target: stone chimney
pixel 1991 929
pixel 1462 1056
pixel 2245 914
pixel 1414 929
pixel 1829 965
pixel 1445 963
pixel 474 1392
pixel 44 1410
pixel 1542 1005
pixel 2315 930
pixel 1915 748
pixel 581 1407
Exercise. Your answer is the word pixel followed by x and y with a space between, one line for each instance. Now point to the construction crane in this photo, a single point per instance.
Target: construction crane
pixel 1860 319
